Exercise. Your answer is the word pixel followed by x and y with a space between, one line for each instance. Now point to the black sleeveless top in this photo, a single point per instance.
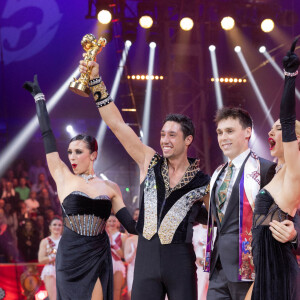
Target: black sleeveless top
pixel 275 265
pixel 84 215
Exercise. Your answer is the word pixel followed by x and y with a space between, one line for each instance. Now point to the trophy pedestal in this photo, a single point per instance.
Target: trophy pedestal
pixel 80 89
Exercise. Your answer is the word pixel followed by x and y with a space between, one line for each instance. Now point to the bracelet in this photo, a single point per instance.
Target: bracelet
pixel 100 103
pixel 95 81
pixel 290 74
pixel 100 93
pixel 39 96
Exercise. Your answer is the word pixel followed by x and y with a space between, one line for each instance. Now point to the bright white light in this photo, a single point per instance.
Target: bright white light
pixel 147 105
pixel 227 23
pixel 12 150
pixel 104 16
pixel 262 49
pixel 103 176
pixel 237 49
pixel 186 24
pixel 212 48
pixel 128 43
pixel 41 295
pixel 152 45
pixel 69 128
pixel 214 64
pixel 267 25
pixel 141 133
pixel 146 22
pixel 257 92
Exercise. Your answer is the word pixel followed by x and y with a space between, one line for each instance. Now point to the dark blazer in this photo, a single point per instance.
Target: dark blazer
pixel 296 245
pixel 226 246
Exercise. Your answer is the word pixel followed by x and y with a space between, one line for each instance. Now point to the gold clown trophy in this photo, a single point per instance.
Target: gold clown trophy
pixel 92 47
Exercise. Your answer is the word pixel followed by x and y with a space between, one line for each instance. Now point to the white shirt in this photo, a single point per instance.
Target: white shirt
pixel 31 204
pixel 237 164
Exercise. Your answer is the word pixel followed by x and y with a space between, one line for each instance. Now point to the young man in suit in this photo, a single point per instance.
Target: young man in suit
pixel 233 188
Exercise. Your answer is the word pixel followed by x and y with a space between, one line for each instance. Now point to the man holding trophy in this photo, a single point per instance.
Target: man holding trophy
pixel 172 192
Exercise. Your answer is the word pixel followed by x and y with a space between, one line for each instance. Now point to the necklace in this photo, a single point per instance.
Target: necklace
pixel 278 168
pixel 87 177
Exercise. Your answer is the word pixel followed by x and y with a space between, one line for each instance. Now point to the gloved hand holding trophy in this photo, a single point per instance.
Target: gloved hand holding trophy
pixel 92 47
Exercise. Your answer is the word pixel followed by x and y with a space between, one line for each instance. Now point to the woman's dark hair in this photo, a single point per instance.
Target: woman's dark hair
pixel 90 141
pixel 55 218
pixel 186 123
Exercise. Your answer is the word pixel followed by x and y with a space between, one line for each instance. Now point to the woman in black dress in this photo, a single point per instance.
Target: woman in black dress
pixel 83 261
pixel 276 267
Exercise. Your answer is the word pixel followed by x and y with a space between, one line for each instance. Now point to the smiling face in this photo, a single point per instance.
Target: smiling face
pixel 112 223
pixel 172 140
pixel 80 157
pixel 55 227
pixel 233 139
pixel 275 140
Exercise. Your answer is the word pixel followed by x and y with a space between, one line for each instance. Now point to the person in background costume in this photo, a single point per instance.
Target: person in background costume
pixel 47 256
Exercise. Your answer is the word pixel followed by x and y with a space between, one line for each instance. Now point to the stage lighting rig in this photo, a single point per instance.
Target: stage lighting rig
pixel 227 23
pixel 129 30
pixel 103 10
pixel 186 24
pixel 267 25
pixel 104 16
pixel 146 21
pixel 146 14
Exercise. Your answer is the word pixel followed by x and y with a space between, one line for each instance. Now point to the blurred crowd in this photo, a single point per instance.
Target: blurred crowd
pixel 28 202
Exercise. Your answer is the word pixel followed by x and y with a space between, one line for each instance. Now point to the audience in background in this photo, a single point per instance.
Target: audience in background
pixel 32 205
pixel 28 242
pixel 22 189
pixel 35 170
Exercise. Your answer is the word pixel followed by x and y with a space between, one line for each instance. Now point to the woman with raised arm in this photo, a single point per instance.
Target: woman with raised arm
pixel 83 260
pixel 276 267
pixel 47 256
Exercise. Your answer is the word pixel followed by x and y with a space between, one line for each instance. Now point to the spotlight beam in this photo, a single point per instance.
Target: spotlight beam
pixel 213 58
pixel 147 105
pixel 102 129
pixel 255 88
pixel 277 69
pixel 12 150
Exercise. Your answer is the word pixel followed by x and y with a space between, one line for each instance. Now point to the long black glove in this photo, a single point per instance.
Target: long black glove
pixel 126 220
pixel 42 114
pixel 287 106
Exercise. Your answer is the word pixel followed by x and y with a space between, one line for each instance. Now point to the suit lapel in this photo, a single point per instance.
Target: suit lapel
pixel 234 194
pixel 213 193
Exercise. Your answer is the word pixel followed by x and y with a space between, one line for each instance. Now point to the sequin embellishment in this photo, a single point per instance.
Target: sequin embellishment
pixel 150 205
pixel 177 213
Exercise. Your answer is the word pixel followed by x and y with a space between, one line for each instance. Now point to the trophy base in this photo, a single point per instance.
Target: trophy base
pixel 79 89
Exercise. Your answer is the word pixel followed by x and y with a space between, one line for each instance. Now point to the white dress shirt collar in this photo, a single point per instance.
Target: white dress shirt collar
pixel 238 161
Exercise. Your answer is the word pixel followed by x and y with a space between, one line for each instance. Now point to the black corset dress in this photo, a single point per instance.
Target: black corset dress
pixel 276 267
pixel 84 254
